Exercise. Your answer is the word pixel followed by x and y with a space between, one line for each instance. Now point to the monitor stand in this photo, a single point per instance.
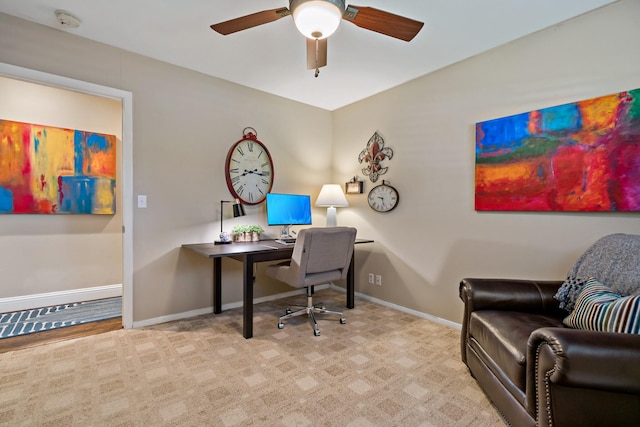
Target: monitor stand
pixel 285 238
pixel 284 232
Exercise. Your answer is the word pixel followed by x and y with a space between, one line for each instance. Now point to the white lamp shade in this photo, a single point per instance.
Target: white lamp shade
pixel 332 195
pixel 317 19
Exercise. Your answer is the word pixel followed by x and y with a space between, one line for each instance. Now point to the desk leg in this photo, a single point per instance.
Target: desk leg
pixel 217 285
pixel 247 305
pixel 351 283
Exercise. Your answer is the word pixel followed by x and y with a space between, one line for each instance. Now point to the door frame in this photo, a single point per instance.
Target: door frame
pixel 126 98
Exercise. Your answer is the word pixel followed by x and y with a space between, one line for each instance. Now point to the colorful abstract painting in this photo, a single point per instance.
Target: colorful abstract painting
pixel 49 170
pixel 583 156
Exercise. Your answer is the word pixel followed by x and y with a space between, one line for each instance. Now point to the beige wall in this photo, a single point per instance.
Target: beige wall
pixel 434 237
pixel 54 253
pixel 184 123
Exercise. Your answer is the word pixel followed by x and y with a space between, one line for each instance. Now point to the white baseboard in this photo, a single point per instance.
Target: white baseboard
pixel 172 317
pixel 407 310
pixel 207 310
pixel 27 302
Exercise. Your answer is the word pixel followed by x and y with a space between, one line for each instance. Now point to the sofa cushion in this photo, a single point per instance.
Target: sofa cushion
pixel 569 291
pixel 600 309
pixel 503 336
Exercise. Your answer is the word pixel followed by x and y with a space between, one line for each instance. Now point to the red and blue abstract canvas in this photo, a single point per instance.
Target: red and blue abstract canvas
pixel 49 170
pixel 578 157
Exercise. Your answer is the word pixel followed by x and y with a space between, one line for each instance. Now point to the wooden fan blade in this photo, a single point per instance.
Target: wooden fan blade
pixel 316 53
pixel 383 22
pixel 250 21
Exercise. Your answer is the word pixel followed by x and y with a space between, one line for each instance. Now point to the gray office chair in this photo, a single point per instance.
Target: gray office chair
pixel 320 255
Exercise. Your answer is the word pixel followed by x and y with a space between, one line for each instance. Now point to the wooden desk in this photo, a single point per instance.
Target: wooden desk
pixel 248 254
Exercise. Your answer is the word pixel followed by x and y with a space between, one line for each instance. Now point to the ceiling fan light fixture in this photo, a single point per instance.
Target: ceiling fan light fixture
pixel 317 19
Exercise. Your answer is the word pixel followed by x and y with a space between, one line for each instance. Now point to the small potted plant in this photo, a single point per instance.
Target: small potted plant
pixel 240 233
pixel 255 231
pixel 247 233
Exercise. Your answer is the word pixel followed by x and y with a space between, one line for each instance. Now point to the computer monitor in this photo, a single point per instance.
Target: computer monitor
pixel 288 209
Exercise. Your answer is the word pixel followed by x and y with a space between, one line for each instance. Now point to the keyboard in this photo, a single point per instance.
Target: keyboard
pixel 286 240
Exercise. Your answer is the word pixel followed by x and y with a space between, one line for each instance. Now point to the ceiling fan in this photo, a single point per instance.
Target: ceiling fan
pixel 318 19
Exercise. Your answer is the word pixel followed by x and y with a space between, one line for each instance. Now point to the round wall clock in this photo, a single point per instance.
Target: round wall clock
pixel 383 197
pixel 249 169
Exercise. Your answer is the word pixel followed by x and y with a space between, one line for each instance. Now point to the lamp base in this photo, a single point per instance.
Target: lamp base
pixel 332 221
pixel 224 238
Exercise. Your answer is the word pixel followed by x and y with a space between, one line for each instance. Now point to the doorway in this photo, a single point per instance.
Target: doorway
pixel 125 177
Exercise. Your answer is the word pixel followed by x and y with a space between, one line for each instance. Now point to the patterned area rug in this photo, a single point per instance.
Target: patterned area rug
pixel 59 316
pixel 382 368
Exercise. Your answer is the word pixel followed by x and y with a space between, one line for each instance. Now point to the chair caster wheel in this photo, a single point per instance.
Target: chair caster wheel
pixel 316 332
pixel 280 325
pixel 288 311
pixel 343 320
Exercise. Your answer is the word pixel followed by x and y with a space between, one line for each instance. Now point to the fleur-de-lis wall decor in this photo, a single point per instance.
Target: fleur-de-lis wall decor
pixel 374 154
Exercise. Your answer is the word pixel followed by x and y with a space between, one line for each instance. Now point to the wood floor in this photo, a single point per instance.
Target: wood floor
pixel 70 332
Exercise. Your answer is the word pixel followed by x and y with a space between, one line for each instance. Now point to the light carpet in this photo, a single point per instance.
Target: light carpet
pixel 382 368
pixel 58 316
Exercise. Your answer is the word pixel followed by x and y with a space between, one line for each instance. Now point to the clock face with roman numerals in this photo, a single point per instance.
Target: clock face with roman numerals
pixel 249 170
pixel 383 198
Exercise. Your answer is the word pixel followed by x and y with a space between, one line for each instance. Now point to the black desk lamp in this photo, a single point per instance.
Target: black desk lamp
pixel 238 210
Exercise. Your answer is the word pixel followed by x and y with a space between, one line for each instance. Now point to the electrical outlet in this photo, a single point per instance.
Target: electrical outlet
pixel 378 280
pixel 371 279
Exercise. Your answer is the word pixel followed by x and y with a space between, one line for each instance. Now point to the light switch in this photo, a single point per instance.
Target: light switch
pixel 142 201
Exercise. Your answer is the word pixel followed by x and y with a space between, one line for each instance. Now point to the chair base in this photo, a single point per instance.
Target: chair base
pixel 310 310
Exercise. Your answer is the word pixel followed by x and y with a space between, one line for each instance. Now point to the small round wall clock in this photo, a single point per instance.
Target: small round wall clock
pixel 249 169
pixel 383 197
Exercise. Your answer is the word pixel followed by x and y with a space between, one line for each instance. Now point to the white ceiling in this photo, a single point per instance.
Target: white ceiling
pixel 272 57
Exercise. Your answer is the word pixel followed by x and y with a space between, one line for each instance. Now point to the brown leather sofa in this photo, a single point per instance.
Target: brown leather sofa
pixel 538 372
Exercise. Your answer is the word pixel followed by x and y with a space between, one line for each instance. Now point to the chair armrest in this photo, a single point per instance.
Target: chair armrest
pixel 505 294
pixel 600 370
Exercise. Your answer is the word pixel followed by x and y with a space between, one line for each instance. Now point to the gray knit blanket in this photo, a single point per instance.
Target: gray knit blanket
pixel 613 260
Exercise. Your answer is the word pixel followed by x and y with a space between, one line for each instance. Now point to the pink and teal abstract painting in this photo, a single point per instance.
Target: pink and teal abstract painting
pixel 583 156
pixel 49 170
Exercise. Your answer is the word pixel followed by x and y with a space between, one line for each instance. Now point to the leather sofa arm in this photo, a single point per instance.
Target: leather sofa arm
pixel 600 370
pixel 532 296
pixel 505 294
pixel 588 359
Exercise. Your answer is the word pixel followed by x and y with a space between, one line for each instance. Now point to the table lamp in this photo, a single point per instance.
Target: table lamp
pixel 332 196
pixel 238 210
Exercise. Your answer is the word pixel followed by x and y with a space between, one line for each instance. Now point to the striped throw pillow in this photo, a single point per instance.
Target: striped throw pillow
pixel 599 309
